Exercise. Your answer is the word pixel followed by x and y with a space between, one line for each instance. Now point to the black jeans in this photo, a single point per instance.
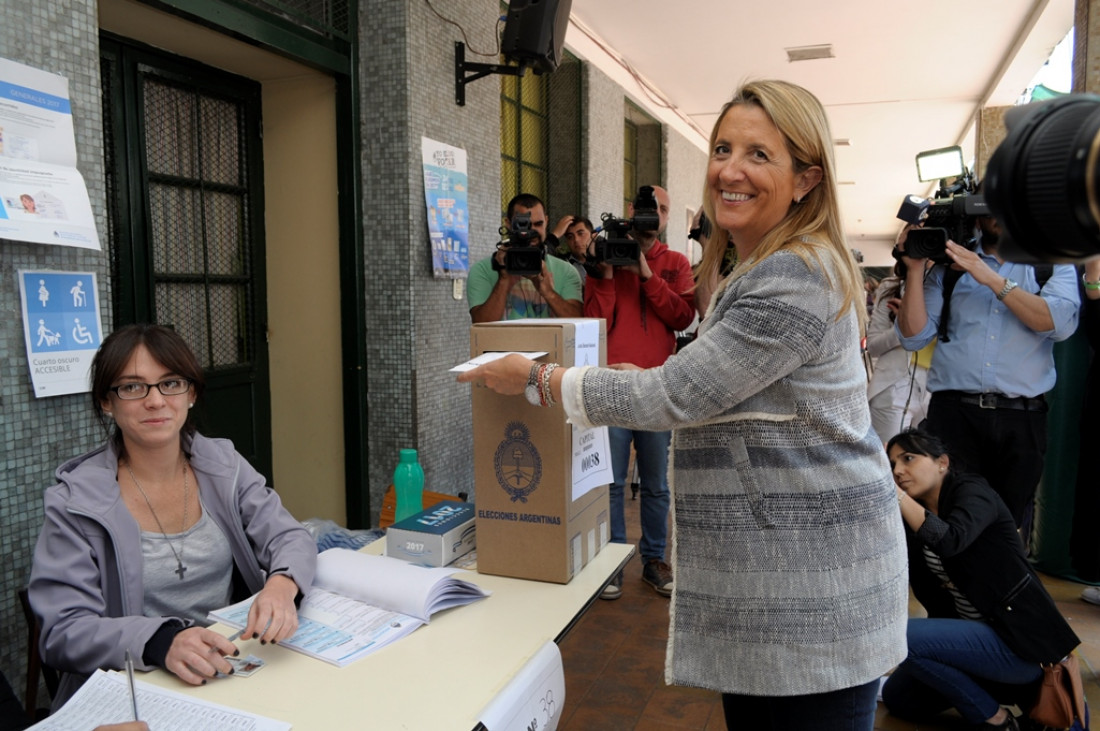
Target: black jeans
pixel 849 709
pixel 1005 446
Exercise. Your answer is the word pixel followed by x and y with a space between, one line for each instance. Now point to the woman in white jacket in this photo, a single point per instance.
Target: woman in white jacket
pixel 898 393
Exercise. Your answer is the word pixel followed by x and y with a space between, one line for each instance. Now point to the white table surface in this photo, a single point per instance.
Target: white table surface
pixel 439 677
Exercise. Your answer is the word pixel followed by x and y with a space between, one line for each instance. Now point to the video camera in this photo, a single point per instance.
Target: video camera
pixel 613 245
pixel 525 252
pixel 950 214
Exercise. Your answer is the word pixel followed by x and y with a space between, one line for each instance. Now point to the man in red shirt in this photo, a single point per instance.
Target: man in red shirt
pixel 644 304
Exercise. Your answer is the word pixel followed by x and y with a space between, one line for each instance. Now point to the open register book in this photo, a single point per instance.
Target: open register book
pixel 360 602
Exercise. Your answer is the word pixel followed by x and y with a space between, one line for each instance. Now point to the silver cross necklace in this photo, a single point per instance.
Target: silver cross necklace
pixel 180 568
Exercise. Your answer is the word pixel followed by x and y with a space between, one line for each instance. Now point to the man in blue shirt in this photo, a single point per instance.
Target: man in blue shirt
pixel 991 371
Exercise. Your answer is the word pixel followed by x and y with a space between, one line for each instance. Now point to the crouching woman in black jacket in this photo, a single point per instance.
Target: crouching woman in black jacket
pixel 990 624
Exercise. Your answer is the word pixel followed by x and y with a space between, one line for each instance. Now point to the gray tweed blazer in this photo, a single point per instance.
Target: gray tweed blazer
pixel 788 548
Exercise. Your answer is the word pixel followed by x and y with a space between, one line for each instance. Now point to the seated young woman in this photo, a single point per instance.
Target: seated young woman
pixel 990 624
pixel 158 526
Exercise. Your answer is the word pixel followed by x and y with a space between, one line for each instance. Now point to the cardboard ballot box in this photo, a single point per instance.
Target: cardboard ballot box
pixel 435 536
pixel 540 485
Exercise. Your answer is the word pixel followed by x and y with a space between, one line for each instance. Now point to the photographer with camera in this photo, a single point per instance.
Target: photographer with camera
pixel 519 280
pixel 644 292
pixel 994 361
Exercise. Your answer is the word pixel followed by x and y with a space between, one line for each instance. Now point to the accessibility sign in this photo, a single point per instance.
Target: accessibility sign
pixel 62 329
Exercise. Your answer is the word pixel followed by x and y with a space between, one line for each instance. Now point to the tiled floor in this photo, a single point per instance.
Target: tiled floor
pixel 614 663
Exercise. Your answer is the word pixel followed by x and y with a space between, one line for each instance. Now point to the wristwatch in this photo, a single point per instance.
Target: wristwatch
pixel 531 390
pixel 1009 286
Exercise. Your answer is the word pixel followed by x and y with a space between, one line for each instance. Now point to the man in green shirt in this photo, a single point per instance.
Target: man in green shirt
pixel 494 294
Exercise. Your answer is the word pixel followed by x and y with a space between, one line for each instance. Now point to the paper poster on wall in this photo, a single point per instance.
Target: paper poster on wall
pixel 43 198
pixel 445 190
pixel 62 329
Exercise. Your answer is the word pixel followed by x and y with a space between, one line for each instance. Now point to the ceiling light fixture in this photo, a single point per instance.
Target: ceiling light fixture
pixel 809 53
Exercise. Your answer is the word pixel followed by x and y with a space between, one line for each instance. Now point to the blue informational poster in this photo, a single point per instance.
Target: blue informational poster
pixel 445 190
pixel 62 328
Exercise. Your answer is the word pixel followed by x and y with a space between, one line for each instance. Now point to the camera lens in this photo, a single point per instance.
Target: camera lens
pixel 1043 181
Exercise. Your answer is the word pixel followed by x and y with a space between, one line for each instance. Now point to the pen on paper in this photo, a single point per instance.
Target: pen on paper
pixel 235 636
pixel 130 680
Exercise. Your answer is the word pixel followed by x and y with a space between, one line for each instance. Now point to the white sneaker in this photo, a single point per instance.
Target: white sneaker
pixel 1091 594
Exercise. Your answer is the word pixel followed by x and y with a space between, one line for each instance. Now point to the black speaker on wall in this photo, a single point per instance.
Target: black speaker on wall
pixel 534 31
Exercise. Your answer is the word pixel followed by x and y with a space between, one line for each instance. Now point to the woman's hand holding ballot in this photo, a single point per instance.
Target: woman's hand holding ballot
pixel 507 375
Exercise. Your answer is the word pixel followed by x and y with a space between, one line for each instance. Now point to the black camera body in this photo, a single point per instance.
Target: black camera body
pixel 951 214
pixel 525 253
pixel 614 245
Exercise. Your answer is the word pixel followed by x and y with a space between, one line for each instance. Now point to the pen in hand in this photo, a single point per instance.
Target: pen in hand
pixel 130 679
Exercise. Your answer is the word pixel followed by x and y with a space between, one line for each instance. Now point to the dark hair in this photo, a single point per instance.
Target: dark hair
pixel 581 219
pixel 165 345
pixel 918 441
pixel 893 287
pixel 527 200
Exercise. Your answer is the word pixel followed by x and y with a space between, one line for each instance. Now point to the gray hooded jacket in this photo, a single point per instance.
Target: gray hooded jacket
pixel 86 580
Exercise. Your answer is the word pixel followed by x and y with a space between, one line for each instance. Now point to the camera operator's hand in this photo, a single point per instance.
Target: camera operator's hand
pixel 504 278
pixel 968 261
pixel 544 281
pixel 606 270
pixel 910 316
pixel 641 269
pixel 899 248
pixel 1032 310
pixel 559 306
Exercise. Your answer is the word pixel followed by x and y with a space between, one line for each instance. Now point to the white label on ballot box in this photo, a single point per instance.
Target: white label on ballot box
pixel 591 460
pixel 533 699
pixel 591 452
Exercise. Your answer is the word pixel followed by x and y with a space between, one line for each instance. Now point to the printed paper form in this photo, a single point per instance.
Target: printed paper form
pixel 334 628
pixel 105 698
pixel 360 602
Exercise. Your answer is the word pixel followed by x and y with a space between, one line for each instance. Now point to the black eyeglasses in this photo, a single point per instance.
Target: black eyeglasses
pixel 167 387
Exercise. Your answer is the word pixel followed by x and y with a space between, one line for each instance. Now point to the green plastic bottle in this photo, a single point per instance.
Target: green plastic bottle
pixel 408 484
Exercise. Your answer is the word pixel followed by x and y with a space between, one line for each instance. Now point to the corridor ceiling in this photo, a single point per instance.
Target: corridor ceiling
pixel 898 78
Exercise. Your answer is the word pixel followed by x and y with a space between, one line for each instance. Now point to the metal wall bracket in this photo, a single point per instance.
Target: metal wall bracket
pixel 476 71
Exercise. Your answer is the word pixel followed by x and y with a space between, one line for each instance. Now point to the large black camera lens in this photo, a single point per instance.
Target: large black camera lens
pixel 1043 181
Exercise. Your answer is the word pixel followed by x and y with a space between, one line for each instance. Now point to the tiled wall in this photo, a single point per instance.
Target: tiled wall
pixel 418 329
pixel 38 434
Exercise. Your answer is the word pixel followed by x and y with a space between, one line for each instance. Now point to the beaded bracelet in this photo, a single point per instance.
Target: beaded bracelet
pixel 1091 286
pixel 547 396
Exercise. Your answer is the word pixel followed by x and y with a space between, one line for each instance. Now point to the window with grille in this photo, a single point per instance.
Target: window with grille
pixel 524 122
pixel 330 17
pixel 643 148
pixel 630 162
pixel 199 219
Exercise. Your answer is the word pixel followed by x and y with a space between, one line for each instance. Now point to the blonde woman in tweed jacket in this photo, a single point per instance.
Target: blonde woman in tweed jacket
pixel 791 577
